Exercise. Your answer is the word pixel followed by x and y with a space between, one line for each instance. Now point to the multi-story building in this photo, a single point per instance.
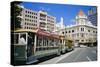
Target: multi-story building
pixel 37 19
pixel 83 32
pixel 92 15
pixel 29 19
pixel 46 22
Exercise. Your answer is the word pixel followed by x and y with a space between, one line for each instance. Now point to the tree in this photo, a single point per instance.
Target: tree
pixel 15 12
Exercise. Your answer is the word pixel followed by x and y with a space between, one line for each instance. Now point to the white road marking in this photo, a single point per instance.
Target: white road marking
pixel 88 58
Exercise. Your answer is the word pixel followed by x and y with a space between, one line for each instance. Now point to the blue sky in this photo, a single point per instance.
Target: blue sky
pixel 68 12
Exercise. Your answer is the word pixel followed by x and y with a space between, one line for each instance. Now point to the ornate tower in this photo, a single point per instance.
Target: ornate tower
pixel 81 18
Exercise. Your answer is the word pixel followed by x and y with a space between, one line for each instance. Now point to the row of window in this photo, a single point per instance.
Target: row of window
pixel 30 20
pixel 50 17
pixel 47 48
pixel 42 19
pixel 81 35
pixel 31 16
pixel 30 24
pixel 50 21
pixel 84 40
pixel 82 29
pixel 43 41
pixel 30 12
pixel 28 27
pixel 93 31
pixel 68 31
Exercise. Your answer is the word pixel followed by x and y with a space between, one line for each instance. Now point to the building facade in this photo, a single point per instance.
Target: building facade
pixel 37 19
pixel 92 15
pixel 83 32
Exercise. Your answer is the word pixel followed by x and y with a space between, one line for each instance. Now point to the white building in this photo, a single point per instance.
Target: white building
pixel 60 25
pixel 37 19
pixel 83 32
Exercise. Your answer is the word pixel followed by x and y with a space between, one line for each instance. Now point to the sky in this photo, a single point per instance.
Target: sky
pixel 68 12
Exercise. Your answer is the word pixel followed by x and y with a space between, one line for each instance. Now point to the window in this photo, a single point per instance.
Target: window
pixel 25 15
pixel 93 31
pixel 62 32
pixel 82 35
pixel 82 40
pixel 82 29
pixel 66 31
pixel 88 30
pixel 36 17
pixel 96 31
pixel 36 14
pixel 25 23
pixel 72 31
pixel 69 31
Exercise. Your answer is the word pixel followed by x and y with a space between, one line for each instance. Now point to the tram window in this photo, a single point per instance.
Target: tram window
pixel 52 42
pixel 47 42
pixel 22 39
pixel 16 38
pixel 39 43
pixel 23 35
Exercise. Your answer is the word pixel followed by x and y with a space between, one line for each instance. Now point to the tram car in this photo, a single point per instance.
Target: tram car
pixel 66 44
pixel 27 46
pixel 69 45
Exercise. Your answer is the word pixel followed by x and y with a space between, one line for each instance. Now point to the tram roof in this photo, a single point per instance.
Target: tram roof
pixel 39 32
pixel 26 30
pixel 44 33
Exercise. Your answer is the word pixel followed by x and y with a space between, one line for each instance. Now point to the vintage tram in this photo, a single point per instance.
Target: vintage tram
pixel 27 46
pixel 66 44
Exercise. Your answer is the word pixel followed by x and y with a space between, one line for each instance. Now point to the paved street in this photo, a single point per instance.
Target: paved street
pixel 77 55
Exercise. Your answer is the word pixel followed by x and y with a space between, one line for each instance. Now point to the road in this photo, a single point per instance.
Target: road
pixel 77 55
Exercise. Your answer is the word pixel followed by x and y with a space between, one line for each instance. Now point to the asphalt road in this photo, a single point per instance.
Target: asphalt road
pixel 78 55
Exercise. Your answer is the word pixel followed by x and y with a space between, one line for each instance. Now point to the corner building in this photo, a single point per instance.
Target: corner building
pixel 83 32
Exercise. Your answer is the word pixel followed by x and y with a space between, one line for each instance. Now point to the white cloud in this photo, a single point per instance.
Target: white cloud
pixel 42 8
